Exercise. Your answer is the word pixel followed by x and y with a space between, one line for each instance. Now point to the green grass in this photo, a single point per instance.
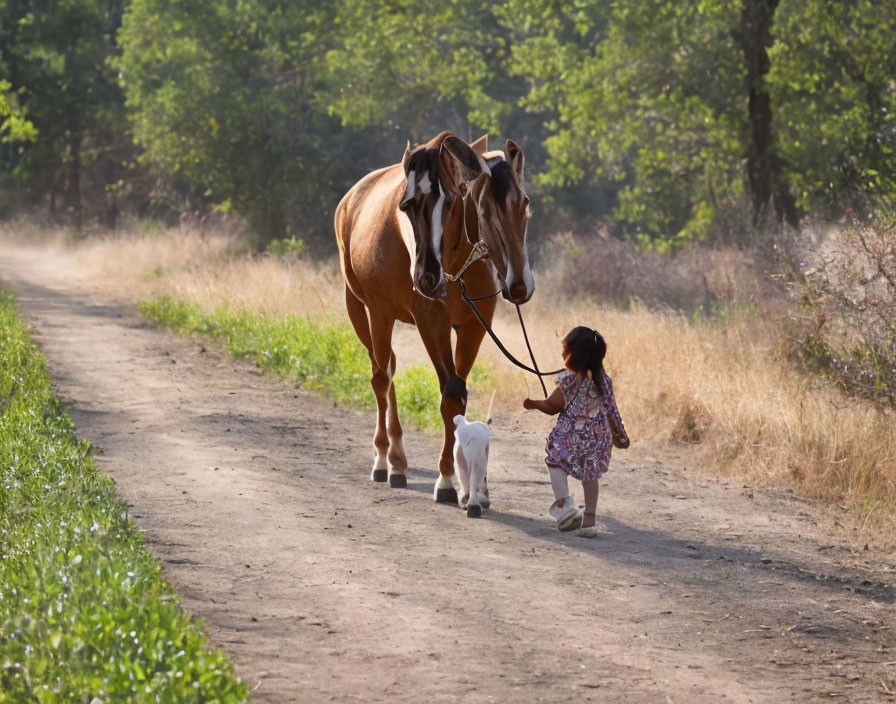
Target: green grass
pixel 324 357
pixel 84 609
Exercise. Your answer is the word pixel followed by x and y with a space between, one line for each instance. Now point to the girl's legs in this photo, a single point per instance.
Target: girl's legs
pixel 559 483
pixel 591 489
pixel 564 509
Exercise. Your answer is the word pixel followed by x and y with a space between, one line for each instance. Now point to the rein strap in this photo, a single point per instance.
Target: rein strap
pixel 480 251
pixel 504 350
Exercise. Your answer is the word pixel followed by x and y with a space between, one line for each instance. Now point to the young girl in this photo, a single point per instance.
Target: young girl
pixel 588 426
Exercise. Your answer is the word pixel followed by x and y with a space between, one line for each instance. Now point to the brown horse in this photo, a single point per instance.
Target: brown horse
pixel 399 229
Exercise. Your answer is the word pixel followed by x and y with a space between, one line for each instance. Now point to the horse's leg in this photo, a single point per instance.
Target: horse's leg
pixel 398 461
pixel 380 379
pixel 431 318
pixel 469 339
pixel 389 433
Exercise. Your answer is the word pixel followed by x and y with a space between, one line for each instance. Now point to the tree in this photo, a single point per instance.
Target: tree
pixel 833 67
pixel 765 169
pixel 223 99
pixel 646 101
pixel 54 58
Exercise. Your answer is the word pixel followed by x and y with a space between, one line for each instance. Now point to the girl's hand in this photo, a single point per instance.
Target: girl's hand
pixel 622 444
pixel 529 404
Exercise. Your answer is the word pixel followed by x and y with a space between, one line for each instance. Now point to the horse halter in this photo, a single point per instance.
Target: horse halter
pixel 480 251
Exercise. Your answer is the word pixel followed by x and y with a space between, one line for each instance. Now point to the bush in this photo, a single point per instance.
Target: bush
pixel 848 292
pixel 286 248
pixel 695 279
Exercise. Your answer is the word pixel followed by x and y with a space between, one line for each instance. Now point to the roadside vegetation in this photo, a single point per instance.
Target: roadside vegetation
pixel 720 372
pixel 325 357
pixel 84 609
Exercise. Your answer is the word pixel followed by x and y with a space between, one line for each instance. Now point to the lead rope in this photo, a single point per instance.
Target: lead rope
pixel 480 251
pixel 504 350
pixel 519 314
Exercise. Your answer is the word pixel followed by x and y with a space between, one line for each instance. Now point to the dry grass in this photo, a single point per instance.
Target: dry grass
pixel 720 387
pixel 209 269
pixel 724 388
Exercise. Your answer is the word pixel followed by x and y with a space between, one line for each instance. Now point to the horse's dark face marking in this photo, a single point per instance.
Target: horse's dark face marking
pixel 503 209
pixel 424 203
pixel 434 173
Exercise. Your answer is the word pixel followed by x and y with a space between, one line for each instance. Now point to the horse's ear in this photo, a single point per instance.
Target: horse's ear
pixel 470 163
pixel 448 175
pixel 407 155
pixel 515 158
pixel 480 146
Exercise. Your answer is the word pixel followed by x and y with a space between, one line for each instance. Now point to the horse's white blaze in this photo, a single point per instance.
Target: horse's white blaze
pixel 409 192
pixel 528 279
pixel 437 227
pixel 410 242
pixel 425 184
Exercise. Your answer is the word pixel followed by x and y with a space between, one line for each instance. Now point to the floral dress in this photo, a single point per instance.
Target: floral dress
pixel 581 441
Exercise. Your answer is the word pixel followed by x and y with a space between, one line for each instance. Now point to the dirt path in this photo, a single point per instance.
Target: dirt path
pixel 325 587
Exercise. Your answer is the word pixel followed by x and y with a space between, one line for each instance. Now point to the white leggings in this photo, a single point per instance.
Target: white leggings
pixel 559 482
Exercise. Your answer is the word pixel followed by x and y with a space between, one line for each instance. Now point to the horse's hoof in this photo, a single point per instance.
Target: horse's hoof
pixel 379 475
pixel 398 481
pixel 474 511
pixel 446 496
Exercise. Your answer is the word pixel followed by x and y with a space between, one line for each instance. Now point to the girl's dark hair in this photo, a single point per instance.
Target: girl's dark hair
pixel 587 351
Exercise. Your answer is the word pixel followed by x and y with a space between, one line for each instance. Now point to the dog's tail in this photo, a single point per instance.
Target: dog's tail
pixel 491 405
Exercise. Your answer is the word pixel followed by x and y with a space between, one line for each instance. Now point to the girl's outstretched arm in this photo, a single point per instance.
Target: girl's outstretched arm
pixel 552 405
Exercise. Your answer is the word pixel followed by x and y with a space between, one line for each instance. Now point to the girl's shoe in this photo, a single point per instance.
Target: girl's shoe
pixel 592 531
pixel 568 516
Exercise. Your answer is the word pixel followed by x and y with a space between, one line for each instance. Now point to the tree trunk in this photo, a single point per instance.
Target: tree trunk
pixel 765 169
pixel 73 180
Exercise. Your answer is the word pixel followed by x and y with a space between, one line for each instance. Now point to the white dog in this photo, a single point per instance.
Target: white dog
pixel 471 442
pixel 471 463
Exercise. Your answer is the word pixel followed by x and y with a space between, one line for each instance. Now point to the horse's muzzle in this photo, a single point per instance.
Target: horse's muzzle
pixel 519 293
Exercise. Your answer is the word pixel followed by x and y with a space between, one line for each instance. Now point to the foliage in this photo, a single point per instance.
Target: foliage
pixel 327 358
pixel 84 608
pixel 291 247
pixel 849 310
pixel 223 98
pixel 54 58
pixel 15 126
pixel 661 120
pixel 833 67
